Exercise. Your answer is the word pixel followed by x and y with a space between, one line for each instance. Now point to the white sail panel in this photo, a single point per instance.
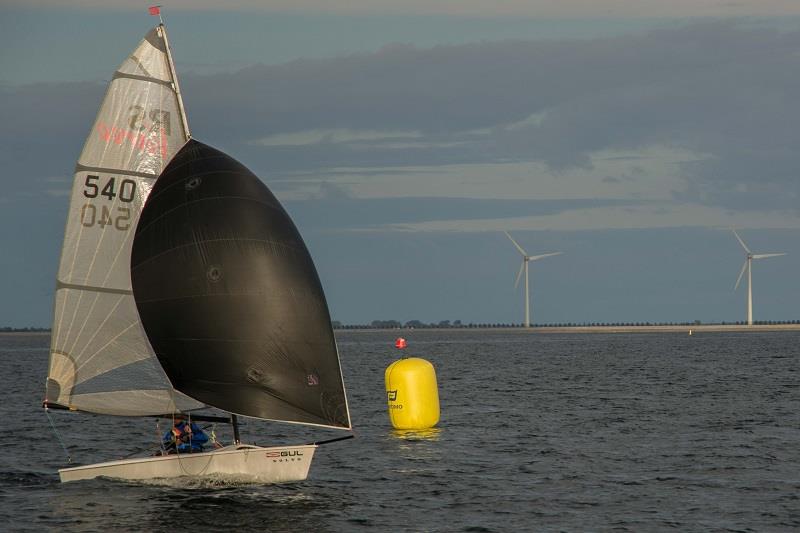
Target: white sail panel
pixel 101 360
pixel 102 219
pixel 148 59
pixel 138 129
pixel 98 330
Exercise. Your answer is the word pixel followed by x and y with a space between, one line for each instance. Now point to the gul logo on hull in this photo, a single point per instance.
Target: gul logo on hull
pixel 285 453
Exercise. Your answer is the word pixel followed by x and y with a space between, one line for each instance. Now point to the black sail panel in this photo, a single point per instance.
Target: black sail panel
pixel 229 297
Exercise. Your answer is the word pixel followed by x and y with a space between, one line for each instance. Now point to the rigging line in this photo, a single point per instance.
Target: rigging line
pixel 341 378
pixel 176 397
pixel 52 425
pixel 148 448
pixel 160 437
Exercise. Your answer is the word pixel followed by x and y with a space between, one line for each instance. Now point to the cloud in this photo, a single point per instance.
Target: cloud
pixel 475 8
pixel 43 129
pixel 337 211
pixel 401 166
pixel 720 93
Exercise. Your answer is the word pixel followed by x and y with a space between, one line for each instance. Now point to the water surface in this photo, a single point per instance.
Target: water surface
pixel 543 432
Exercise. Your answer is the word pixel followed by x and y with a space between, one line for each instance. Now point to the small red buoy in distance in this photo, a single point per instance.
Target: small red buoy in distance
pixel 400 343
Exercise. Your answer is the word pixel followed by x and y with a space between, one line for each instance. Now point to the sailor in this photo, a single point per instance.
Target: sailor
pixel 184 437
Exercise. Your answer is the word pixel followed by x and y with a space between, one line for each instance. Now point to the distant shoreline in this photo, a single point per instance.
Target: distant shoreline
pixel 683 329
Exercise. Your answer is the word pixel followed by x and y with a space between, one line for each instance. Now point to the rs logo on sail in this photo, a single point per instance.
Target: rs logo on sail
pixel 146 136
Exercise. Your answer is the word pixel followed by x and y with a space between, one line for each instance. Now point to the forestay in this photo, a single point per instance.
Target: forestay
pixel 100 358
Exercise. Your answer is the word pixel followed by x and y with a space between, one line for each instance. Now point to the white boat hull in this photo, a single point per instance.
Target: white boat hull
pixel 242 462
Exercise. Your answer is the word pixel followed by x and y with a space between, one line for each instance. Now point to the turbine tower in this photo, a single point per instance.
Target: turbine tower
pixel 525 259
pixel 748 265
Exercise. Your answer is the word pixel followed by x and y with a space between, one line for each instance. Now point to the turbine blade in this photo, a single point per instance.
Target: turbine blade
pixel 764 256
pixel 523 252
pixel 744 266
pixel 519 274
pixel 535 257
pixel 746 249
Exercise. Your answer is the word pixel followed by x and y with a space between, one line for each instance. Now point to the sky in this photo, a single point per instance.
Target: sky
pixel 404 138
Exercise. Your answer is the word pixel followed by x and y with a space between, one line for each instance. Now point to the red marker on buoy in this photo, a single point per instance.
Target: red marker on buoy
pixel 400 343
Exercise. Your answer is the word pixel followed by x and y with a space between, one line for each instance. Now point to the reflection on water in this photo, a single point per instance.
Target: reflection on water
pixel 418 450
pixel 417 434
pixel 137 507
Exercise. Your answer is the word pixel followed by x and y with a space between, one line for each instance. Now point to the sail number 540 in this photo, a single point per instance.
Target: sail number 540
pixel 126 190
pixel 103 216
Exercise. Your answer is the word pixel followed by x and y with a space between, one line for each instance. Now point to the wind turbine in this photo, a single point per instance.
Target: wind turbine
pixel 748 265
pixel 525 259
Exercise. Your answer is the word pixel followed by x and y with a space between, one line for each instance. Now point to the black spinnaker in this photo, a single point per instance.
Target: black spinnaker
pixel 229 297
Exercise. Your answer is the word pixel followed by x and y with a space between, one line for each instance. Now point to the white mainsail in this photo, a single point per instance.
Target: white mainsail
pixel 100 358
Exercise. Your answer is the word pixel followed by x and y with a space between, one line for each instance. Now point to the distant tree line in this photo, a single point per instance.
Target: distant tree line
pixel 457 324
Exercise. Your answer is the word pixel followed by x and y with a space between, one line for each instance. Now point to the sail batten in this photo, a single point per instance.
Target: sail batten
pixel 91 288
pixel 120 171
pixel 149 79
pixel 96 326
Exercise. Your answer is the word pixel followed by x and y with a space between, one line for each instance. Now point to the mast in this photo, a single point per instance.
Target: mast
pixel 174 76
pixel 235 424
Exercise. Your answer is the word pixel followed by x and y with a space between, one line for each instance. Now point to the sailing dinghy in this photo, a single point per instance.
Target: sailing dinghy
pixel 184 285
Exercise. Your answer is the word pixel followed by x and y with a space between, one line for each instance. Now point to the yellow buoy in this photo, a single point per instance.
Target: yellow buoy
pixel 412 394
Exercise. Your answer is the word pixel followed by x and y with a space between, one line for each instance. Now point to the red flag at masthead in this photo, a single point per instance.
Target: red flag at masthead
pixel 154 10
